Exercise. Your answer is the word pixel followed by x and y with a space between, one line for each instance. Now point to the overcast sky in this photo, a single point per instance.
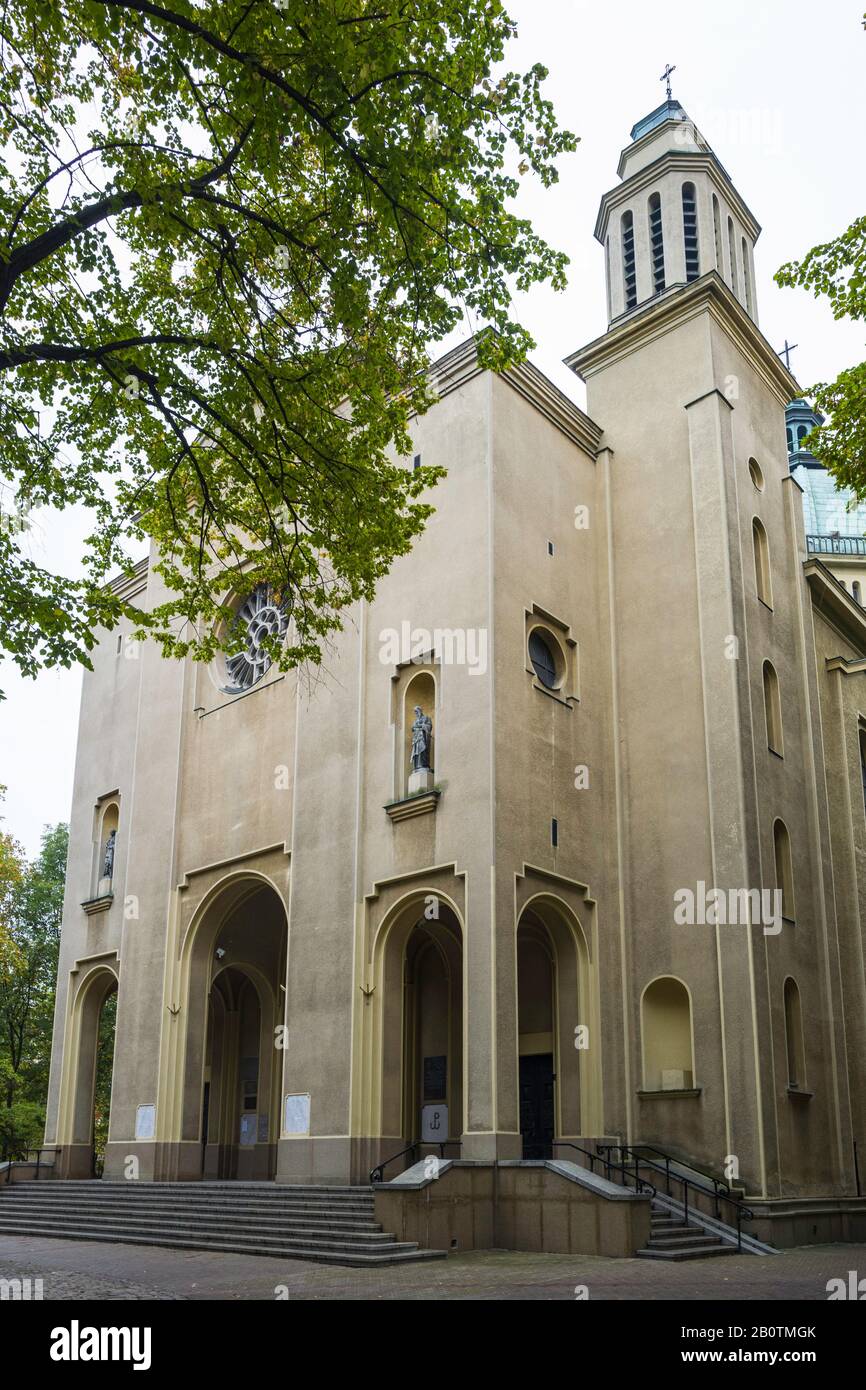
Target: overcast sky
pixel 775 86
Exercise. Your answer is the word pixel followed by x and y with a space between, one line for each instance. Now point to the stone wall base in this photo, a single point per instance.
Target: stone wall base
pixel 513 1206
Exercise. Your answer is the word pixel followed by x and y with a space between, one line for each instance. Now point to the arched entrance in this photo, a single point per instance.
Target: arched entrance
pixel 84 1120
pixel 558 1036
pixel 420 971
pixel 233 1053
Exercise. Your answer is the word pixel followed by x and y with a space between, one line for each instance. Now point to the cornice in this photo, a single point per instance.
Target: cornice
pixel 831 599
pixel 687 162
pixel 460 365
pixel 126 586
pixel 708 294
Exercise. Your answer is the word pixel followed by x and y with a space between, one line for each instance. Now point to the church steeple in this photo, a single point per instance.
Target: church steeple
pixel 675 216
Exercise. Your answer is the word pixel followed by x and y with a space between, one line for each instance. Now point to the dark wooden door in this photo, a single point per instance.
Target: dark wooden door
pixel 536 1105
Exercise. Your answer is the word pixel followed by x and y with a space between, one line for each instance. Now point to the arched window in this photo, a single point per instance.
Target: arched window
pixel 747 284
pixel 802 431
pixel 855 590
pixel 666 1025
pixel 784 868
pixel 772 709
pixel 732 248
pixel 795 1050
pixel 762 563
pixel 629 274
pixel 690 231
pixel 657 244
pixel 790 440
pixel 717 232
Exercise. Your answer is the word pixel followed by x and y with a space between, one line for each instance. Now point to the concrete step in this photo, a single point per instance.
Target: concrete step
pixel 145 1203
pixel 262 1189
pixel 372 1234
pixel 275 1242
pixel 407 1253
pixel 185 1192
pixel 693 1252
pixel 315 1220
pixel 682 1242
pixel 333 1225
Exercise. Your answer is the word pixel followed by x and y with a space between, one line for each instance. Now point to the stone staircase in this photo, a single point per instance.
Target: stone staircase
pixel 331 1225
pixel 672 1238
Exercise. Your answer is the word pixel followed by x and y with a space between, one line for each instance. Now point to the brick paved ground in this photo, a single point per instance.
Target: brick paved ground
pixel 82 1269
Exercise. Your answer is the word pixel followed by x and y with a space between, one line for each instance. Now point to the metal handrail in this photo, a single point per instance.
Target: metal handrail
pixel 442 1144
pixel 48 1148
pixel 640 1183
pixel 720 1189
pixel 742 1212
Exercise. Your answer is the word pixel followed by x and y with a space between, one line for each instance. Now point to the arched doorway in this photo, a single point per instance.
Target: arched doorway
pixel 84 1125
pixel 419 960
pixel 233 1052
pixel 558 1041
pixel 536 1031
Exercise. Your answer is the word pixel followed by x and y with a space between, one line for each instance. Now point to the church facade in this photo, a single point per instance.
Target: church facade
pixel 566 840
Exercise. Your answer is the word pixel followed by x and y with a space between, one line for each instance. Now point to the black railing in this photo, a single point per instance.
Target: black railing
pixel 836 545
pixel 719 1190
pixel 376 1174
pixel 23 1156
pixel 608 1164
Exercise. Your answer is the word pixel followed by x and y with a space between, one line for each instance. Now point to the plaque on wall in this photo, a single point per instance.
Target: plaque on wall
pixel 296 1115
pixel 145 1121
pixel 434 1124
pixel 435 1077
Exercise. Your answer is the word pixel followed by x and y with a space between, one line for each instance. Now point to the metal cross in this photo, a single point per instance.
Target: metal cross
pixel 786 352
pixel 666 77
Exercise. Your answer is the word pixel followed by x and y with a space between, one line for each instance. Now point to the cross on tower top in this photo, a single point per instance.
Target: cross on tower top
pixel 786 352
pixel 666 77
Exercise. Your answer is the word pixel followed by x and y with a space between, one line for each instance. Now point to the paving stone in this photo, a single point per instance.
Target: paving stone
pixel 81 1270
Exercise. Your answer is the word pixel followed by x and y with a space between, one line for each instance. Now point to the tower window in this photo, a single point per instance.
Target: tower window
pixel 717 232
pixel 796 1052
pixel 732 247
pixel 784 868
pixel 416 462
pixel 802 431
pixel 657 245
pixel 772 709
pixel 747 284
pixel 790 440
pixel 628 265
pixel 690 231
pixel 607 276
pixel 543 660
pixel 762 563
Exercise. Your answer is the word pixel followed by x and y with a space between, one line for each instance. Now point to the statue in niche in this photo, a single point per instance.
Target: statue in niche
pixel 108 857
pixel 422 734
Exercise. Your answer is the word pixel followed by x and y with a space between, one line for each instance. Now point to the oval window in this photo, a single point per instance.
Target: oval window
pixel 756 475
pixel 544 663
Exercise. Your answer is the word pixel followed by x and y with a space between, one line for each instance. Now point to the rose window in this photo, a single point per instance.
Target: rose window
pixel 258 619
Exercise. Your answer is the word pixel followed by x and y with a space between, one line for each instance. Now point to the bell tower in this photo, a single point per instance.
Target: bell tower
pixel 703 533
pixel 674 216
